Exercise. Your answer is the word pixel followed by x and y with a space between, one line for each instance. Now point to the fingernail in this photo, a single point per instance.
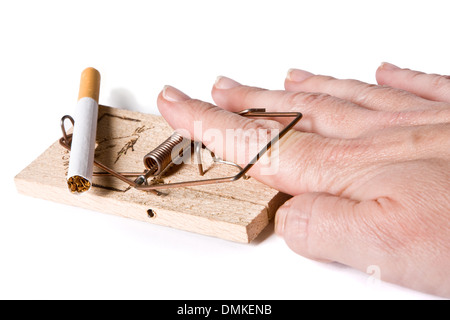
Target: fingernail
pixel 388 66
pixel 280 218
pixel 225 83
pixel 172 94
pixel 297 75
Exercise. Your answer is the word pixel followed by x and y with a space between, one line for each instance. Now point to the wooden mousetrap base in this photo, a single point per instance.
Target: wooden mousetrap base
pixel 236 211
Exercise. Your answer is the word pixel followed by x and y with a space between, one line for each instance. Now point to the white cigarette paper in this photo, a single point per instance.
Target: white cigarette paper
pixel 81 163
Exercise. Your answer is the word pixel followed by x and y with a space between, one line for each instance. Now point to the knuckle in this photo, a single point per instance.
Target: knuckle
pixel 435 81
pixel 366 92
pixel 329 162
pixel 253 134
pixel 416 75
pixel 439 82
pixel 371 93
pixel 419 139
pixel 344 161
pixel 252 126
pixel 299 99
pixel 250 139
pixel 429 140
pixel 415 117
pixel 200 111
pixel 393 118
pixel 338 153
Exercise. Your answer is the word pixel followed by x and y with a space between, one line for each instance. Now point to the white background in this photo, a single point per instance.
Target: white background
pixel 50 250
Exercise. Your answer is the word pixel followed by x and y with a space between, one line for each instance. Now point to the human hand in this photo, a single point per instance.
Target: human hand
pixel 368 166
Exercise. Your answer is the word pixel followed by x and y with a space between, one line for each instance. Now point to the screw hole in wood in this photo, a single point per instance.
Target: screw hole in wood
pixel 151 214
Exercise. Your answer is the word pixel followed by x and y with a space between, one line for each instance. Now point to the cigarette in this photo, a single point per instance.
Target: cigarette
pixel 81 163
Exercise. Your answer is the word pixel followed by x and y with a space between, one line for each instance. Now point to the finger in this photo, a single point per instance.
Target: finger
pixel 429 86
pixel 322 114
pixel 358 234
pixel 370 96
pixel 299 162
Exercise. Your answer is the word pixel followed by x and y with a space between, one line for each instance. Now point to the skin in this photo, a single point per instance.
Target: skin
pixel 368 166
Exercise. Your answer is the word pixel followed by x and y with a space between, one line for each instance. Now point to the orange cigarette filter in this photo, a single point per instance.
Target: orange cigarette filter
pixel 90 84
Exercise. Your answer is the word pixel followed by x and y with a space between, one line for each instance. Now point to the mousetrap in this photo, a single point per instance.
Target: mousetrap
pixel 137 176
pixel 236 211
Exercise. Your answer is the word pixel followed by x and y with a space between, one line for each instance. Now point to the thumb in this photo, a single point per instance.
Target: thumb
pixel 321 226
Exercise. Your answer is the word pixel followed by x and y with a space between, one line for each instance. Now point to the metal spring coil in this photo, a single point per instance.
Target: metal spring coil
pixel 162 156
